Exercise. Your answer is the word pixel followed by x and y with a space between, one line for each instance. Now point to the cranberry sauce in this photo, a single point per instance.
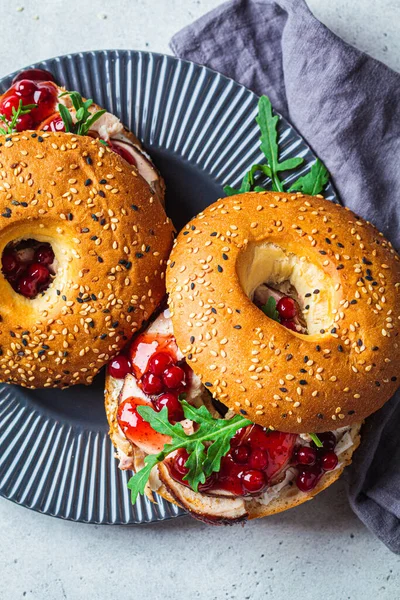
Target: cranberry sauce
pixel 136 429
pixel 28 266
pixel 42 93
pixel 34 75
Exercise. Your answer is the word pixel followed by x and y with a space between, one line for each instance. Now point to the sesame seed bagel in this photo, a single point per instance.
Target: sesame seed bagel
pixel 347 278
pixel 110 237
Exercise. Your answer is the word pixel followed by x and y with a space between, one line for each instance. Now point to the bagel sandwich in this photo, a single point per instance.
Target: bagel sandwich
pixel 283 320
pixel 84 242
pixel 36 88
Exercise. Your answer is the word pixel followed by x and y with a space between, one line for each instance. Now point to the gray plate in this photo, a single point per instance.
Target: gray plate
pixel 55 455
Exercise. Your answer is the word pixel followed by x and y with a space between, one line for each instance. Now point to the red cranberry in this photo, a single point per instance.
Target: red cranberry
pixel 27 286
pixel 180 459
pixel 241 454
pixel 258 459
pixel 42 94
pixel 8 104
pixel 253 481
pixel 119 367
pixel 39 272
pixel 25 88
pixel 288 324
pixel 174 377
pixel 329 461
pixel 159 362
pixel 308 477
pixel 305 456
pixel 237 438
pixel 9 262
pixel 34 75
pixel 44 254
pixel 175 411
pixel 24 123
pixel 287 308
pixel 151 384
pixel 328 440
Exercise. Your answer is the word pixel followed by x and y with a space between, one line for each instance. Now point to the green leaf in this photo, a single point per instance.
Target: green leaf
pixel 314 181
pixel 269 309
pixel 194 463
pixel 159 421
pixel 203 458
pixel 66 117
pixel 16 113
pixel 289 164
pixel 137 483
pixel 215 453
pixel 269 139
pixel 316 440
pixel 93 118
pixel 80 113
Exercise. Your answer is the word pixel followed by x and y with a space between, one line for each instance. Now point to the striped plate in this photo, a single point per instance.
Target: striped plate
pixel 55 455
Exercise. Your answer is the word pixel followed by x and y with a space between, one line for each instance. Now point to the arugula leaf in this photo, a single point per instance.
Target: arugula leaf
pixel 269 309
pixel 84 118
pixel 269 143
pixel 316 440
pixel 314 181
pixel 203 458
pixel 16 113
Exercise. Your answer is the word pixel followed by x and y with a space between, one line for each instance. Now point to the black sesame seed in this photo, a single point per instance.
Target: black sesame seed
pixel 340 267
pixel 322 330
pixel 70 216
pixel 340 245
pixel 366 262
pixel 316 291
pixel 322 252
pixel 139 255
pixel 333 330
pixel 359 343
pixel 103 222
pixel 64 297
pixel 375 348
pixel 283 389
pixel 186 232
pixel 128 265
pixel 103 181
pixel 219 268
pixel 340 348
pixel 353 301
pixel 85 230
pixel 394 378
pixel 307 306
pixel 214 310
pixel 24 342
pixel 191 339
pixel 289 357
pixel 305 359
pixel 377 383
pixel 89 160
pixel 192 286
pixel 189 356
pixel 328 241
pixel 318 348
pixel 103 336
pixel 302 371
pixel 308 295
pixel 95 218
pixel 237 327
pixel 33 135
pixel 208 384
pixel 101 194
pixel 303 382
pixel 172 264
pixel 99 259
pixel 24 204
pixel 224 256
pixel 213 234
pixel 320 416
pixel 351 412
pixel 88 182
pixel 134 207
pixel 131 309
pixel 242 411
pixel 115 325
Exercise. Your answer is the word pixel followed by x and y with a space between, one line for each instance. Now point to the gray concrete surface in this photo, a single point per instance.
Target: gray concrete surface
pixel 319 551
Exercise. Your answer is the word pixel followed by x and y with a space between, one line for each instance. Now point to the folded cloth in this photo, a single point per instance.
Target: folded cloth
pixel 347 107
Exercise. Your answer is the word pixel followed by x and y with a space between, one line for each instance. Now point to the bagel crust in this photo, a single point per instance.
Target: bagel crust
pixel 111 239
pixel 347 367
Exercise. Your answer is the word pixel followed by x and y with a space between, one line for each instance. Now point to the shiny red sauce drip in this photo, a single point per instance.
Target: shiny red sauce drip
pixel 135 428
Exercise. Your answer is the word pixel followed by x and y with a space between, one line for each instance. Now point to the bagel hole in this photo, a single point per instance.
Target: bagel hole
pixel 29 266
pixel 267 270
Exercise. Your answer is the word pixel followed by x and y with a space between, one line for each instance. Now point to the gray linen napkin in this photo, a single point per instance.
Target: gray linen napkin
pixel 347 106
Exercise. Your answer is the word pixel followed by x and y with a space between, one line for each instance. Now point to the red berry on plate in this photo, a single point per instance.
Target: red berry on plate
pixel 253 481
pixel 44 254
pixel 308 477
pixel 24 123
pixel 8 104
pixel 25 88
pixel 328 440
pixel 38 272
pixel 258 459
pixel 305 456
pixel 151 384
pixel 27 286
pixel 119 367
pixel 159 362
pixel 9 262
pixel 241 454
pixel 34 75
pixel 287 308
pixel 174 377
pixel 329 461
pixel 175 410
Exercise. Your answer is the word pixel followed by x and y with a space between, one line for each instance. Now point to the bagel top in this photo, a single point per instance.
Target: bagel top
pixel 348 280
pixel 111 239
